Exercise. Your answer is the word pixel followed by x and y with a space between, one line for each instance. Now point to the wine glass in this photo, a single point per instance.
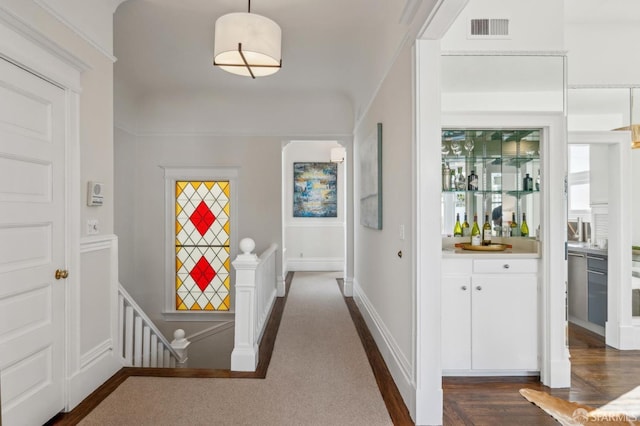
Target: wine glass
pixel 445 148
pixel 468 145
pixel 456 148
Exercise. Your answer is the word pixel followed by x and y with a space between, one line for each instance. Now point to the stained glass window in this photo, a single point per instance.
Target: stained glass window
pixel 202 246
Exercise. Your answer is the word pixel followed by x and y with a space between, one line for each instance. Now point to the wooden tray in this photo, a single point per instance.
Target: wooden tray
pixel 492 247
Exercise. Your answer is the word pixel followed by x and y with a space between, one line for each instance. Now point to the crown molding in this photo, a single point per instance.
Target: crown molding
pixel 340 137
pixel 80 33
pixel 504 53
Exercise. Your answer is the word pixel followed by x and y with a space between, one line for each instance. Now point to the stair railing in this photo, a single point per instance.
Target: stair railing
pixel 256 291
pixel 141 342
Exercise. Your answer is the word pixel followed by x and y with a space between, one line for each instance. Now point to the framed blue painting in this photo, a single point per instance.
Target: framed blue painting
pixel 315 190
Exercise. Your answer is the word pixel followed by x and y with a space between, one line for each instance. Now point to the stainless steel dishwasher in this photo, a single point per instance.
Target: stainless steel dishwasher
pixel 577 291
pixel 597 293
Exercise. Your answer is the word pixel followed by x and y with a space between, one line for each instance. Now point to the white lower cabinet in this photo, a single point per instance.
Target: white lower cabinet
pixel 489 317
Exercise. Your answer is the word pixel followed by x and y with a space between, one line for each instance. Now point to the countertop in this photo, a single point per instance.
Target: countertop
pixel 511 253
pixel 522 248
pixel 587 249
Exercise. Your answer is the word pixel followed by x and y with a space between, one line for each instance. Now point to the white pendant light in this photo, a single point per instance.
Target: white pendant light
pixel 247 44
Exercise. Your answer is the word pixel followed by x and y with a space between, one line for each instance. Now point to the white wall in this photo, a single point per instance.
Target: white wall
pixel 313 244
pixel 383 282
pixel 142 203
pixel 533 25
pixel 599 54
pixel 309 115
pixel 125 203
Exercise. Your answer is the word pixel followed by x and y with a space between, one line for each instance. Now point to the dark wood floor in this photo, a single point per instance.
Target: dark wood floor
pixel 599 374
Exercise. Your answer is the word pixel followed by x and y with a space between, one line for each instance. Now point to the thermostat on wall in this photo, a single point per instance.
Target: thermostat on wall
pixel 95 193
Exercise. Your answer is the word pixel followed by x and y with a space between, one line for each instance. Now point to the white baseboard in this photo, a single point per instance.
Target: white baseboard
pixel 315 264
pixel 629 337
pixel 588 325
pixel 99 365
pixel 348 287
pixel 396 361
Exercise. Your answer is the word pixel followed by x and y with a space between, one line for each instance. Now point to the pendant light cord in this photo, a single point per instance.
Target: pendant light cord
pixel 249 8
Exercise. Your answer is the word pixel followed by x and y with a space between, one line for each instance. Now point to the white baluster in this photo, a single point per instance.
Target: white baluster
pixel 167 358
pixel 146 341
pixel 121 325
pixel 137 342
pixel 154 351
pixel 160 351
pixel 128 336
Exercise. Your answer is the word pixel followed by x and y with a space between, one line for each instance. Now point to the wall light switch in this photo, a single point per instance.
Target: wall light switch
pixel 92 227
pixel 402 232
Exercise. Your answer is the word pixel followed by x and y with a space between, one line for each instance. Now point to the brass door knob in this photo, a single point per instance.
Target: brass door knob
pixel 61 274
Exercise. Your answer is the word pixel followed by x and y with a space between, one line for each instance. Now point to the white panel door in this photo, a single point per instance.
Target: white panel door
pixel 32 246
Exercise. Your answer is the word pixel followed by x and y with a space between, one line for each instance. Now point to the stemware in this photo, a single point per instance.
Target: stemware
pixel 456 148
pixel 468 145
pixel 445 148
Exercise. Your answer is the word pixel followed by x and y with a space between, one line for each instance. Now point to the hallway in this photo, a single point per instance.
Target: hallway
pixel 318 374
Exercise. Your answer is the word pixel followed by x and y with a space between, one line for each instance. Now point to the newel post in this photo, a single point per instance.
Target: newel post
pixel 245 350
pixel 180 345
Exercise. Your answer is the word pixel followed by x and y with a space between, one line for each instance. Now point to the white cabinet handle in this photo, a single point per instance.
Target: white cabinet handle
pixel 506 266
pixel 479 287
pixel 463 288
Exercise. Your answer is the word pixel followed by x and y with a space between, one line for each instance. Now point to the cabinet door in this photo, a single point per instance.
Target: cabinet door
pixel 504 322
pixel 456 319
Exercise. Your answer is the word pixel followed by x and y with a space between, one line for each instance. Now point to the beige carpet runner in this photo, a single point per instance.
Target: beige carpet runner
pixel 319 375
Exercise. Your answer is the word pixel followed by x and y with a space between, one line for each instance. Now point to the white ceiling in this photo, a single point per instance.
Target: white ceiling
pixel 333 47
pixel 341 47
pixel 611 11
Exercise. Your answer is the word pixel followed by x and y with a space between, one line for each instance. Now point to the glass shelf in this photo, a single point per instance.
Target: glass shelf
pixel 502 159
pixel 515 193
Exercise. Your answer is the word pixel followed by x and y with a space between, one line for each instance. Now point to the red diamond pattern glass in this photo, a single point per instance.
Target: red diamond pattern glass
pixel 202 246
pixel 202 218
pixel 202 273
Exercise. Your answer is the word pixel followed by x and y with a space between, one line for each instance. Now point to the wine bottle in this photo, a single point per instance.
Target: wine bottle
pixel 524 228
pixel 472 181
pixel 466 230
pixel 476 239
pixel 514 225
pixel 527 183
pixel 453 180
pixel 457 229
pixel 461 181
pixel 486 231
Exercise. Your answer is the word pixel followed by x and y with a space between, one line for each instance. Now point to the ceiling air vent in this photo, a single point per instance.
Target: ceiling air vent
pixel 489 28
